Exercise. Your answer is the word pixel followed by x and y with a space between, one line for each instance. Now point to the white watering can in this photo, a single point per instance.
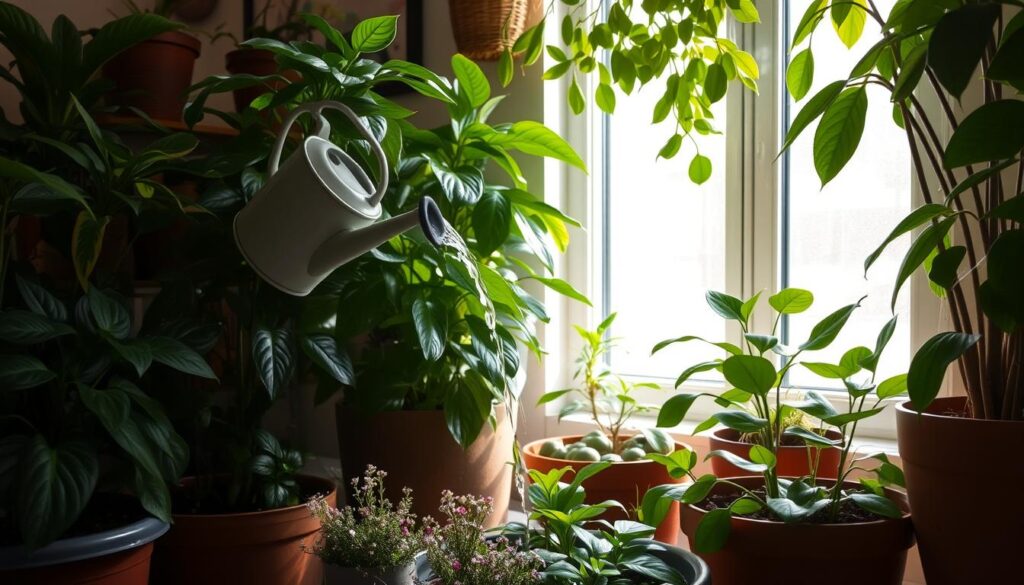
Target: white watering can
pixel 320 210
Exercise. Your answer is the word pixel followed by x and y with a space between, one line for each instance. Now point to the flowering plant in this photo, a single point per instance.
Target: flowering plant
pixel 373 534
pixel 459 554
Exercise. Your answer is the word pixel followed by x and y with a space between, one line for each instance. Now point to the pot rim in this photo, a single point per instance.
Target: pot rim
pixel 901 501
pixel 830 433
pixel 906 408
pixel 177 37
pixel 533 448
pixel 88 546
pixel 263 513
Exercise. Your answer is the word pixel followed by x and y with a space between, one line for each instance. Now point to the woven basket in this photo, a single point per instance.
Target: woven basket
pixel 479 26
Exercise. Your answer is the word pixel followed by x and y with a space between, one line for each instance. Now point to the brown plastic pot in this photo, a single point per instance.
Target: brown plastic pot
pixel 155 75
pixel 952 463
pixel 256 548
pixel 792 460
pixel 416 450
pixel 625 482
pixel 762 551
pixel 255 62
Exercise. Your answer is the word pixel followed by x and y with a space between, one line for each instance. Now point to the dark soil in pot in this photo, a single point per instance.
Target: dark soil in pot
pixel 154 75
pixel 792 459
pixel 952 463
pixel 760 551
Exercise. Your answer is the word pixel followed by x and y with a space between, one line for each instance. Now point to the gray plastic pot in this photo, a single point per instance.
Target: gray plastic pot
pixel 120 555
pixel 694 570
pixel 401 575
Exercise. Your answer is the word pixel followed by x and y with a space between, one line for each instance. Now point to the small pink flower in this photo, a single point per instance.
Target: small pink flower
pixel 456 565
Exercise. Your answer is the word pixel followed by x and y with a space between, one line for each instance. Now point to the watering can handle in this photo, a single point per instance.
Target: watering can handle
pixel 323 130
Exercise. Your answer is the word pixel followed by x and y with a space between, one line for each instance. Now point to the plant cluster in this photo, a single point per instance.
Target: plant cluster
pixel 754 405
pixel 674 41
pixel 971 245
pixel 578 549
pixel 460 555
pixel 372 534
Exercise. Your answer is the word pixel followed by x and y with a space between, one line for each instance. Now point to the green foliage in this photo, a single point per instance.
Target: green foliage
pixel 676 42
pixel 755 407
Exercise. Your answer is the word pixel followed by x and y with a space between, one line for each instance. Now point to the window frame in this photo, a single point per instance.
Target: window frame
pixel 754 229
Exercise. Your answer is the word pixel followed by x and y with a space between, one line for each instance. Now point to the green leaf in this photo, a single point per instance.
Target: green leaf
pixel 800 74
pixel 56 186
pixel 749 373
pixel 86 243
pixel 744 11
pixel 492 220
pixel 674 409
pixel 273 357
pixel 563 288
pixel 539 140
pixel 830 371
pixel 577 103
pixel 790 301
pixel 464 184
pixel 916 218
pixel 553 395
pixel 812 438
pixel 472 80
pixel 893 386
pixel 841 420
pixel 374 34
pixel 994 131
pixel 808 22
pixel 137 353
pixel 696 369
pixel 814 107
pixel 910 74
pixel 18 372
pixel 54 485
pixel 740 420
pixel 848 19
pixel 815 405
pixel 945 265
pixel 876 504
pixel 977 178
pixel 728 307
pixel 109 315
pixel 323 350
pixel 716 82
pixel 928 366
pixel 431 327
pixel 25 328
pixel 605 98
pixel 763 456
pixel 826 330
pixel 919 251
pixel 763 343
pixel 700 169
pixel 713 531
pixel 41 301
pixel 506 68
pixel 1007 63
pixel 175 354
pixel 839 132
pixel 467 408
pixel 957 44
pixel 721 344
pixel 671 147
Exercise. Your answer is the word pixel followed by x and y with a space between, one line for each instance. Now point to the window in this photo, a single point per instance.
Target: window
pixel 667 241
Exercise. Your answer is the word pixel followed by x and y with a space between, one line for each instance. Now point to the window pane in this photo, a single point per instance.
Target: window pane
pixel 666 240
pixel 832 230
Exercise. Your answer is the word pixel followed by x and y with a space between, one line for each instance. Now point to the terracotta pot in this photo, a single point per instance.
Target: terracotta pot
pixel 255 62
pixel 401 575
pixel 625 482
pixel 155 75
pixel 416 450
pixel 792 460
pixel 952 464
pixel 256 548
pixel 773 553
pixel 113 557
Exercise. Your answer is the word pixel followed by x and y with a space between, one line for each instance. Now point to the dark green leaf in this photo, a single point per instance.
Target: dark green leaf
pixel 841 420
pixel 55 483
pixel 916 218
pixel 696 369
pixel 25 328
pixel 928 366
pixel 467 408
pixel 41 301
pixel 175 354
pixel 919 251
pixel 741 421
pixel 877 505
pixel 958 43
pixel 728 307
pixel 910 75
pixel 814 107
pixel 826 330
pixel 749 373
pixel 715 82
pixel 945 266
pixel 492 220
pixel 323 350
pixel 109 315
pixel 839 132
pixel 713 531
pixel 994 131
pixel 431 323
pixel 18 372
pixel 86 244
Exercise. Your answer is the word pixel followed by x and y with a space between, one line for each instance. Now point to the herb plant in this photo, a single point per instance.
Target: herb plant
pixel 372 534
pixel 674 41
pixel 971 246
pixel 754 405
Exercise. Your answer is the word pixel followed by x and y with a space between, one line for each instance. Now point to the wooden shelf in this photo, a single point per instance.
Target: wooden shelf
pixel 133 123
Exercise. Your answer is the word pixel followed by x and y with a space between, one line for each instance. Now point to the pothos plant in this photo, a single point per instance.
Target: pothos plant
pixel 754 404
pixel 971 245
pixel 630 44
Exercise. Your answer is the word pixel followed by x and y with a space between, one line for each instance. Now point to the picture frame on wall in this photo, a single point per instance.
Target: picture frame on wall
pixel 344 15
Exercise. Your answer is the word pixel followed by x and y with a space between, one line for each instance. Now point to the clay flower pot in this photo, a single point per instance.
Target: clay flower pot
pixel 952 463
pixel 256 548
pixel 416 450
pixel 119 556
pixel 625 482
pixel 254 62
pixel 761 551
pixel 792 460
pixel 154 75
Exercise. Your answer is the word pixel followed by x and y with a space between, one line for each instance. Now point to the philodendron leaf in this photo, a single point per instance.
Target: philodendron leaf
pixel 109 315
pixel 26 328
pixel 929 240
pixel 812 109
pixel 790 301
pixel 492 220
pixel 713 531
pixel 86 244
pixel 738 461
pixel 274 358
pixel 472 80
pixel 431 324
pixel 739 420
pixel 55 483
pixel 175 354
pixel 749 373
pixel 727 306
pixel 994 131
pixel 811 438
pixel 928 367
pixel 374 34
pixel 324 351
pixel 876 504
pixel 675 409
pixel 825 332
pixel 467 408
pixel 41 301
pixel 958 42
pixel 839 132
pixel 19 371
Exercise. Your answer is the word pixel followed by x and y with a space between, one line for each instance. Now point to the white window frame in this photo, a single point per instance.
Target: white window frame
pixel 753 220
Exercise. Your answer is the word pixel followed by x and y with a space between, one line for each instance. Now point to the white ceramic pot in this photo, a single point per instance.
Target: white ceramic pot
pixel 401 575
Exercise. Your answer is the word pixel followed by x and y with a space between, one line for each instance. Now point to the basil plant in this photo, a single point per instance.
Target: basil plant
pixel 755 371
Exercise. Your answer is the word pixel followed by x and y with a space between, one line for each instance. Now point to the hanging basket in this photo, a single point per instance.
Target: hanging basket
pixel 480 26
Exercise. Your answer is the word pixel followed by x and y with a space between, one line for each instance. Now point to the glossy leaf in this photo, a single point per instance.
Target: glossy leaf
pixel 374 34
pixel 19 372
pixel 713 531
pixel 814 108
pixel 27 328
pixel 826 330
pixel 492 219
pixel 800 74
pixel 472 80
pixel 957 44
pixel 915 219
pixel 55 483
pixel 700 169
pixel 994 131
pixel 919 251
pixel 839 132
pixel 273 357
pixel 790 301
pixel 752 374
pixel 175 354
pixel 323 350
pixel 431 324
pixel 928 366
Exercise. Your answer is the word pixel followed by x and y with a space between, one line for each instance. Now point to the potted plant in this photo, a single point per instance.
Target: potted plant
pixel 970 246
pixel 154 75
pixel 810 522
pixel 608 400
pixel 371 542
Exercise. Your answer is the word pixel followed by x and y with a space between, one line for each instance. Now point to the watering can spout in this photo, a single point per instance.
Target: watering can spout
pixel 347 245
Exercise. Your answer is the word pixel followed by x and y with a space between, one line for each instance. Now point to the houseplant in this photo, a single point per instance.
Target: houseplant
pixel 607 399
pixel 676 42
pixel 155 74
pixel 371 542
pixel 970 247
pixel 808 522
